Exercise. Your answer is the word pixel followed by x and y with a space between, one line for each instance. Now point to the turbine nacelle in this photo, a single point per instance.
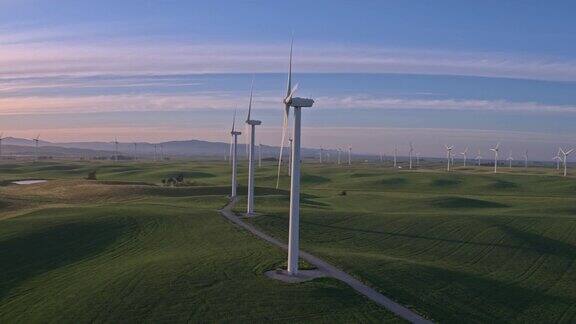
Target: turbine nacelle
pixel 253 122
pixel 301 102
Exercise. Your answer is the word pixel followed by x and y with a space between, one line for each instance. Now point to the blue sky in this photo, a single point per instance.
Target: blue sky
pixel 384 73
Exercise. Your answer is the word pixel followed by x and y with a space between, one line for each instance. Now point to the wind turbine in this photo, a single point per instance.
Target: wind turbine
pixel 557 158
pixel 260 155
pixel 294 222
pixel 565 155
pixel 381 158
pixel 510 159
pixel 464 155
pixel 496 150
pixel 36 141
pixel 395 156
pixel 1 138
pixel 321 153
pixel 349 154
pixel 448 156
pixel 233 155
pixel 115 149
pixel 162 158
pixel 252 123
pixel 526 159
pixel 410 155
pixel 339 153
pixel 417 160
pixel 479 158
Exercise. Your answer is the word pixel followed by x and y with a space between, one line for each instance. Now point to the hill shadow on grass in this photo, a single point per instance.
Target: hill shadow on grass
pixel 445 183
pixel 462 203
pixel 490 300
pixel 503 185
pixel 33 254
pixel 541 243
pixel 393 182
pixel 409 236
pixel 313 179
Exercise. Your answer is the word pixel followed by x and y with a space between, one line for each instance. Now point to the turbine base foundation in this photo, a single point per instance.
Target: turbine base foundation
pixel 303 275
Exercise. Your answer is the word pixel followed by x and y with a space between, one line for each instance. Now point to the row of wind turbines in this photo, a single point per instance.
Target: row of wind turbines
pixel 296 103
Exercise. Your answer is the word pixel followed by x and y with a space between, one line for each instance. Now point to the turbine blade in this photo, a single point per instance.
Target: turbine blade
pixel 234 121
pixel 284 127
pixel 289 82
pixel 250 104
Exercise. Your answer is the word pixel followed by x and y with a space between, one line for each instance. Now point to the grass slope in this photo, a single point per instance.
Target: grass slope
pixel 120 252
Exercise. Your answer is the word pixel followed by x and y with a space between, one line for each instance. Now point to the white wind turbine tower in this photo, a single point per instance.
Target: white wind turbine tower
pixel 289 157
pixel 294 227
pixel 565 155
pixel 496 150
pixel 252 123
pixel 381 158
pixel 349 154
pixel 395 156
pixel 448 157
pixel 526 159
pixel 339 153
pixel 464 155
pixel 410 155
pixel 36 141
pixel 234 155
pixel 510 159
pixel 479 158
pixel 417 160
pixel 321 153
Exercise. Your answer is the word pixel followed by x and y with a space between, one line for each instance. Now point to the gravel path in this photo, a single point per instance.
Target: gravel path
pixel 330 271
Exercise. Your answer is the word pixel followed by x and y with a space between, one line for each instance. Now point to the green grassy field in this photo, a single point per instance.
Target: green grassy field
pixel 112 251
pixel 469 246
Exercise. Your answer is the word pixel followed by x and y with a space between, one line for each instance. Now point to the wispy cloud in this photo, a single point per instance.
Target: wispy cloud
pixel 230 100
pixel 61 51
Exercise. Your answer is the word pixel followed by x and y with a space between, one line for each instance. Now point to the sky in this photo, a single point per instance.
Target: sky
pixel 383 73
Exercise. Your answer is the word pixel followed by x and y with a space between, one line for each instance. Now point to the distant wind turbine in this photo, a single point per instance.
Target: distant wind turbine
pixel 526 159
pixel 557 158
pixel 510 159
pixel 410 152
pixel 350 155
pixel 448 157
pixel 395 156
pixel 479 158
pixel 234 155
pixel 565 156
pixel 260 155
pixel 464 155
pixel 36 142
pixel 339 154
pixel 1 138
pixel 496 150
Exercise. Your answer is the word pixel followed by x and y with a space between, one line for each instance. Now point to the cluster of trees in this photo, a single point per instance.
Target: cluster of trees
pixel 174 181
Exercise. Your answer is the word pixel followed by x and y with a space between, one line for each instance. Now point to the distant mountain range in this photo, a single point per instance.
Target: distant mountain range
pixel 177 149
